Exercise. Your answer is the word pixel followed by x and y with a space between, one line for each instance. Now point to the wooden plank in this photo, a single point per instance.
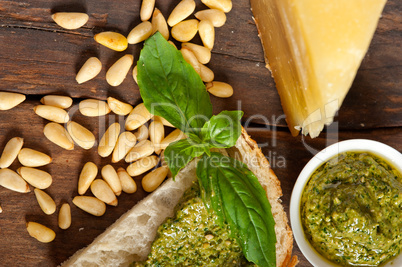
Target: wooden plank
pixel 44 58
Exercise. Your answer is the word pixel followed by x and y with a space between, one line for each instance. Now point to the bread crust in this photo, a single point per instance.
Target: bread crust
pixel 122 243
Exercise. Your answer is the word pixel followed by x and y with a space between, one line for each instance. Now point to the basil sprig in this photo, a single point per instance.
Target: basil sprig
pixel 171 88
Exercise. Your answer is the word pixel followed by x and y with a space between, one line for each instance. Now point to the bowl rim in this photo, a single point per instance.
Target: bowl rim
pixel 391 155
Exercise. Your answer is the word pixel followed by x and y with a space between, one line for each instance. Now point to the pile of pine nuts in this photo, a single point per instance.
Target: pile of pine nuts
pixel 182 30
pixel 140 149
pixel 137 148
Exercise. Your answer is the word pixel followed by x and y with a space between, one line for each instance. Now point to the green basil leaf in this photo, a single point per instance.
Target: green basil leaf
pixel 223 130
pixel 178 154
pixel 170 87
pixel 235 194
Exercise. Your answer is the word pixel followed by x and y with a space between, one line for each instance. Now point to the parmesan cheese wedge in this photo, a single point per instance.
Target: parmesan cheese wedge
pixel 314 49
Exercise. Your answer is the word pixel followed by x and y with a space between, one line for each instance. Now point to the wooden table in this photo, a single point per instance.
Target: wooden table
pixel 37 57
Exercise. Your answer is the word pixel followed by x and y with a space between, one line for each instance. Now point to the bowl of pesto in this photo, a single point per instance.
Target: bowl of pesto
pixel 346 205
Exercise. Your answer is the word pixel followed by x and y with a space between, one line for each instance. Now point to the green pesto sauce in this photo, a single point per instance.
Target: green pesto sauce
pixel 351 210
pixel 194 237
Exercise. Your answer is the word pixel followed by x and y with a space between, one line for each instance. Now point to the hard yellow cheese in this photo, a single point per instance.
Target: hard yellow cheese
pixel 314 49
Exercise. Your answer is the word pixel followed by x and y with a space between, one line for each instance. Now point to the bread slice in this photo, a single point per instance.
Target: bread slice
pixel 130 237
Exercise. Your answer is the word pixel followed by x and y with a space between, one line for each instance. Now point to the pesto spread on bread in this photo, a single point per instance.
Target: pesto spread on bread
pixel 193 237
pixel 352 210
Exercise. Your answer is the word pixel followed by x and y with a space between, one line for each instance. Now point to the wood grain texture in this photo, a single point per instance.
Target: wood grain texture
pixel 37 57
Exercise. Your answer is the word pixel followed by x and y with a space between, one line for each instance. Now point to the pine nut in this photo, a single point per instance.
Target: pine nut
pixel 140 33
pixel 185 31
pixel 215 16
pixel 207 33
pixel 33 158
pixel 89 70
pixel 119 107
pixel 220 89
pixel 40 232
pixel 92 205
pixel 164 121
pixel 147 7
pixel 128 184
pixel 159 24
pixel 102 191
pixel 70 20
pixel 172 137
pixel 222 5
pixel 46 203
pixel 112 40
pixel 11 151
pixel 190 58
pixel 118 71
pixel 58 135
pixel 142 165
pixel 93 108
pixel 109 139
pixel 202 53
pixel 58 101
pixel 142 133
pixel 156 134
pixel 152 180
pixel 52 113
pixel 88 174
pixel 141 150
pixel 125 143
pixel 81 135
pixel 64 219
pixel 184 9
pixel 138 116
pixel 11 180
pixel 207 75
pixel 109 174
pixel 37 178
pixel 10 100
pixel 135 73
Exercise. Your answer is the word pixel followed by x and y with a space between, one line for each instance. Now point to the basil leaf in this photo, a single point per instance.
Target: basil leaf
pixel 170 87
pixel 223 130
pixel 180 153
pixel 238 198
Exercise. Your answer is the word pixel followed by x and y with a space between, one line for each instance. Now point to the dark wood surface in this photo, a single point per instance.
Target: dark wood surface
pixel 37 58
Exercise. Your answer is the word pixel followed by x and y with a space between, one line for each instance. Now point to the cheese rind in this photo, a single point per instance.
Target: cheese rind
pixel 314 49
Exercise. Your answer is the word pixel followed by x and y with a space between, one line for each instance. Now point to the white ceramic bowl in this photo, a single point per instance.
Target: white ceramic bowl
pixel 386 152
